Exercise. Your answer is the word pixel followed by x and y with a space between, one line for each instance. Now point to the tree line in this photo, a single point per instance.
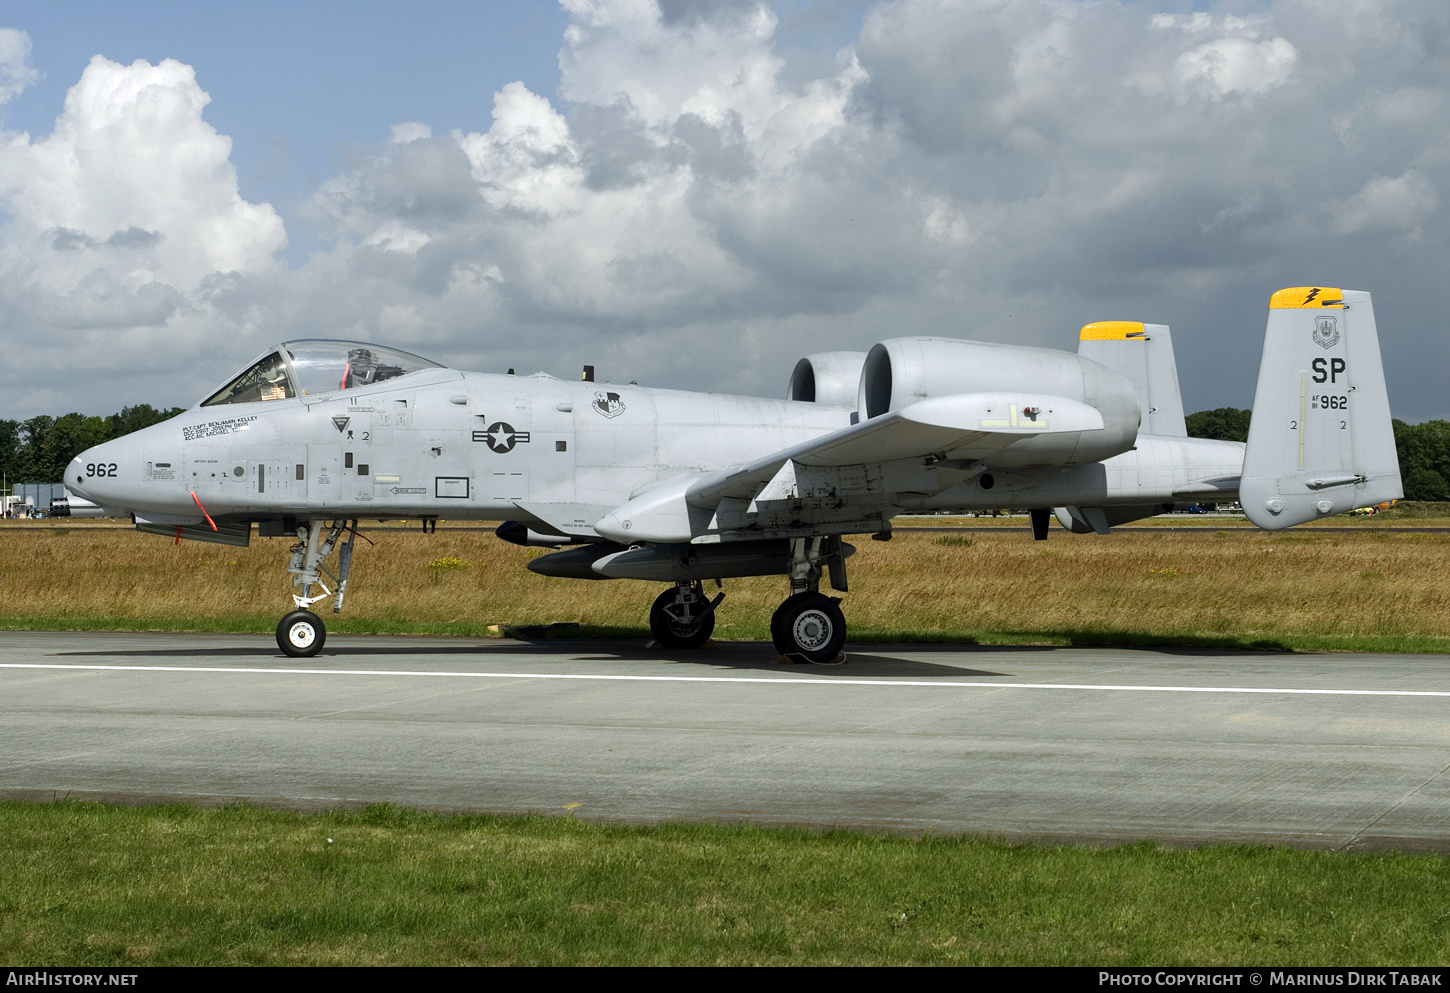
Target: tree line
pixel 1424 449
pixel 38 450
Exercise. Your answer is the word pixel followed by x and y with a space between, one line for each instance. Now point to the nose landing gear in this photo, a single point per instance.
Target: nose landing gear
pixel 301 633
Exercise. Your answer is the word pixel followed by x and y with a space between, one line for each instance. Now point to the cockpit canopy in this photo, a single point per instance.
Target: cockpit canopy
pixel 316 365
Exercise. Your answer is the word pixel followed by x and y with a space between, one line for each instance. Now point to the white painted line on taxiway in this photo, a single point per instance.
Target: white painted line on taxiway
pixel 776 680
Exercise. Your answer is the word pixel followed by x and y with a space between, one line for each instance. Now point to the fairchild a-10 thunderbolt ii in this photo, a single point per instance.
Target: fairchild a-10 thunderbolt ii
pixel 679 488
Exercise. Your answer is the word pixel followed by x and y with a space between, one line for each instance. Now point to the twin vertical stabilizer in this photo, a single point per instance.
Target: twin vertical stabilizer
pixel 1320 441
pixel 1144 354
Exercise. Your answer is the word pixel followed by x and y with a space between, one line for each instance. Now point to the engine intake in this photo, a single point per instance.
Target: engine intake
pixel 827 377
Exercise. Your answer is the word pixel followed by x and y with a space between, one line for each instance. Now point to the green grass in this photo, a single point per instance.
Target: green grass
pixel 91 884
pixel 1365 590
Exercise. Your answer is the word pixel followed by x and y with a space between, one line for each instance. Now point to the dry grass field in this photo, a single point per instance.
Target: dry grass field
pixel 1372 589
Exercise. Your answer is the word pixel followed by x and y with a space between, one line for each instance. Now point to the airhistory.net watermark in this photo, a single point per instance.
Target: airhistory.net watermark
pixel 68 977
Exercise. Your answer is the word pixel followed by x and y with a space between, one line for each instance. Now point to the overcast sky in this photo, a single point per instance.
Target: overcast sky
pixel 695 194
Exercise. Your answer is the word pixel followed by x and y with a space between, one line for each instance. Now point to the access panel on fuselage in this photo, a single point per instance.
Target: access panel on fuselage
pixel 615 427
pixel 368 468
pixel 504 446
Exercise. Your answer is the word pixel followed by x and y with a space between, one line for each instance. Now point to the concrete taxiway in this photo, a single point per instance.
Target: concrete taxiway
pixel 1334 751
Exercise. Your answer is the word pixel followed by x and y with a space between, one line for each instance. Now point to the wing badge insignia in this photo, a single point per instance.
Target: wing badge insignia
pixel 1326 331
pixel 608 404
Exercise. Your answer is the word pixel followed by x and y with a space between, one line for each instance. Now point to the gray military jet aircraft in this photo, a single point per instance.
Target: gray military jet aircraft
pixel 679 488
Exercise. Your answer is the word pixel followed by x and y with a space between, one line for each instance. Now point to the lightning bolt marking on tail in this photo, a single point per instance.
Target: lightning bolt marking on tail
pixel 1312 294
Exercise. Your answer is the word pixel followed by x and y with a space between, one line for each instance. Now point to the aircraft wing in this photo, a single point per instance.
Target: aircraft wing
pixel 845 463
pixel 966 426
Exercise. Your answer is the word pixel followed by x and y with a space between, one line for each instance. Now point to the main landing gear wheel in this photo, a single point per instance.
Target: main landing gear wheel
pixel 810 627
pixel 681 625
pixel 300 634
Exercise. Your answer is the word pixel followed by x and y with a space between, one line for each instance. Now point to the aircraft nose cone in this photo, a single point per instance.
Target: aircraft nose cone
pixel 101 474
pixel 75 477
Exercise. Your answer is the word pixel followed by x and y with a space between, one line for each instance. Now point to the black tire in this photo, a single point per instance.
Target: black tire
pixel 300 634
pixel 775 635
pixel 809 627
pixel 682 626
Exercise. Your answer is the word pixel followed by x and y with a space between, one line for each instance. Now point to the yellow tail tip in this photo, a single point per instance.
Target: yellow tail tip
pixel 1112 331
pixel 1311 297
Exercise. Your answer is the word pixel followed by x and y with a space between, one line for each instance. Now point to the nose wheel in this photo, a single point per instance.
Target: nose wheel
pixel 300 634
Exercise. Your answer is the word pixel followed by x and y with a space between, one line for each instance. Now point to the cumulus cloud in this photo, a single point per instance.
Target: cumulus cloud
pixel 1399 204
pixel 1236 65
pixel 129 153
pixel 1234 61
pixel 114 222
pixel 692 210
pixel 16 72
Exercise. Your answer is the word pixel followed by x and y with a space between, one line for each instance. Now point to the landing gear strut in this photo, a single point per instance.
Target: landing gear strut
pixel 682 618
pixel 809 626
pixel 301 633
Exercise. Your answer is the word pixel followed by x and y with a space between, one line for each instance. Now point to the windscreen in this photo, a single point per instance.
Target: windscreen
pixel 322 366
pixel 267 380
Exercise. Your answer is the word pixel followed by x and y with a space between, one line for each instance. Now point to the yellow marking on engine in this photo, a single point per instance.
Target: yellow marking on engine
pixel 1307 297
pixel 1113 331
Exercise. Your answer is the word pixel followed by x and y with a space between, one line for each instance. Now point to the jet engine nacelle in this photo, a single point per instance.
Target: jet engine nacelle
pixel 903 371
pixel 827 377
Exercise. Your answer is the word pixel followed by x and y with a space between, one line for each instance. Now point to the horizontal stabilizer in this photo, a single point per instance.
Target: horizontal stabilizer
pixel 1217 488
pixel 1081 520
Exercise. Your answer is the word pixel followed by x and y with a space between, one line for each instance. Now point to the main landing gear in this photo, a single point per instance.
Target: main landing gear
pixel 301 633
pixel 808 627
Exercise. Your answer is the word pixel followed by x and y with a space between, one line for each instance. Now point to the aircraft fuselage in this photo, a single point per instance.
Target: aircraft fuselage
pixel 475 446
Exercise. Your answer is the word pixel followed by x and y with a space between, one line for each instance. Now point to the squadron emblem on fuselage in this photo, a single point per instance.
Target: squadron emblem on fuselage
pixel 608 404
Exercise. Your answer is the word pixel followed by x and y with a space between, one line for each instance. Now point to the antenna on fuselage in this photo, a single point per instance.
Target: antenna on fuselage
pixel 588 374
